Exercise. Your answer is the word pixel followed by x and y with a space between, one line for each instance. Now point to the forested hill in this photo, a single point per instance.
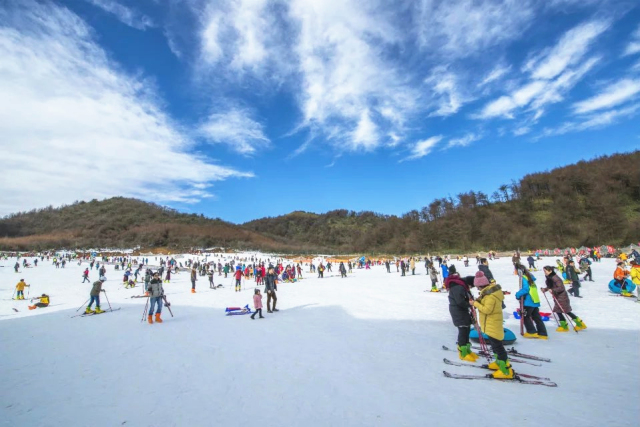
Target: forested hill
pixel 124 223
pixel 588 203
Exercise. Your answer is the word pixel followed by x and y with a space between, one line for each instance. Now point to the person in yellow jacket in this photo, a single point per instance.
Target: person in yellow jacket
pixel 43 302
pixel 489 304
pixel 20 289
pixel 635 276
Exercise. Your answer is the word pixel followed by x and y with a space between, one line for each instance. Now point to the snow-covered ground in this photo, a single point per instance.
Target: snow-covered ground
pixel 360 351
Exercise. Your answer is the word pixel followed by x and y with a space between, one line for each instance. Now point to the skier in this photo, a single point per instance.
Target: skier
pixel 433 273
pixel 572 276
pixel 210 276
pixel 562 304
pixel 343 270
pixel 43 302
pixel 16 267
pixel 270 287
pixel 484 267
pixel 531 306
pixel 194 278
pixel 156 292
pixel 459 306
pixel 167 278
pixel 635 275
pixel 238 276
pixel 532 262
pixel 20 289
pixel 585 265
pixel 412 266
pixel 320 274
pixel 386 263
pixel 95 296
pixel 257 304
pixel 489 304
pixel 445 271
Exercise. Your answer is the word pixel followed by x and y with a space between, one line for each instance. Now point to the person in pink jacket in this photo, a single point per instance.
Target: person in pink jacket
pixel 257 304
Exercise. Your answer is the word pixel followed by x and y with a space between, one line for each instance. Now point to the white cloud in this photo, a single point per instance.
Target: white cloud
pixel 124 14
pixel 76 127
pixel 613 95
pixel 446 90
pixel 594 121
pixel 552 73
pixel 236 128
pixel 634 45
pixel 461 28
pixel 464 141
pixel 522 130
pixel 495 74
pixel 423 147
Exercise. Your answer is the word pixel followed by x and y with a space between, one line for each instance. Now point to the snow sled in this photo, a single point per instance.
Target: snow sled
pixel 509 337
pixel 617 289
pixel 237 311
pixel 544 316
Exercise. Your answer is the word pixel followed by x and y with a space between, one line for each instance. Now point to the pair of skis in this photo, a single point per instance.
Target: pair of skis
pixel 519 359
pixel 93 313
pixel 520 378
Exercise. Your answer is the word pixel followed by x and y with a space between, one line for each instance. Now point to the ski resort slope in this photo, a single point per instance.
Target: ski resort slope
pixel 360 351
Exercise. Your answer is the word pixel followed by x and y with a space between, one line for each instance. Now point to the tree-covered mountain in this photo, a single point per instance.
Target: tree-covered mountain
pixel 589 203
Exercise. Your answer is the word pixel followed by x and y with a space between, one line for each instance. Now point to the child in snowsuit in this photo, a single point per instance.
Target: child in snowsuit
pixel 433 273
pixel 531 306
pixel 257 304
pixel 620 276
pixel 562 304
pixel 572 276
pixel 238 276
pixel 95 296
pixel 43 302
pixel 20 289
pixel 489 304
pixel 459 308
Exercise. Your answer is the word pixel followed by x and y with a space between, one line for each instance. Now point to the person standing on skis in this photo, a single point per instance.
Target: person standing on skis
pixel 156 293
pixel 562 304
pixel 531 306
pixel 95 296
pixel 459 309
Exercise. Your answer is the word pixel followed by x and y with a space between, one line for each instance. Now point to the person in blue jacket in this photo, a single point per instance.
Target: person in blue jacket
pixel 531 304
pixel 445 270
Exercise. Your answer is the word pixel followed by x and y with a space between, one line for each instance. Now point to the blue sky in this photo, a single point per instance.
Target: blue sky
pixel 241 109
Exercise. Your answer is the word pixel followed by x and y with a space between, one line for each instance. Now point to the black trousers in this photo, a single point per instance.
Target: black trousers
pixel 531 316
pixel 498 348
pixel 463 335
pixel 570 314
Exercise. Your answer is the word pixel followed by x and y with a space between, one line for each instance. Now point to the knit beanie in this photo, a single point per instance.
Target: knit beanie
pixel 480 280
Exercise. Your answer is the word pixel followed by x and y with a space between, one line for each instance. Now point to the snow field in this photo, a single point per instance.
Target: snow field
pixel 360 351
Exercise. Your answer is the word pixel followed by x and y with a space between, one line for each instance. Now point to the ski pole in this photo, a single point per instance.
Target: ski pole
pixel 144 313
pixel 565 313
pixel 105 295
pixel 29 292
pixel 483 343
pixel 14 293
pixel 521 305
pixel 551 308
pixel 82 305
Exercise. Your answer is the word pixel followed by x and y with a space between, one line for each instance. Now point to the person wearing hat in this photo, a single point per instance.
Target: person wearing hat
pixel 484 267
pixel 95 296
pixel 620 276
pixel 489 304
pixel 635 275
pixel 270 287
pixel 459 309
pixel 43 302
pixel 531 304
pixel 20 289
pixel 155 291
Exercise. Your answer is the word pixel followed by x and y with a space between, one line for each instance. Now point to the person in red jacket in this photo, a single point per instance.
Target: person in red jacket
pixel 238 276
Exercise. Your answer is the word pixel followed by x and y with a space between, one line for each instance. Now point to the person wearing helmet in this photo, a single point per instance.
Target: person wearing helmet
pixel 95 296
pixel 43 302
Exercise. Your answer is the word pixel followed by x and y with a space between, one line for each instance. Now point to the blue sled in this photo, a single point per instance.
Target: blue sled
pixel 517 316
pixel 237 311
pixel 616 288
pixel 509 337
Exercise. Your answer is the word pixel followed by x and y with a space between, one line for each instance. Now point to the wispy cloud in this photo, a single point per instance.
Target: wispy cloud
pixel 68 115
pixel 613 95
pixel 495 74
pixel 423 148
pixel 464 141
pixel 447 91
pixel 124 14
pixel 634 45
pixel 593 121
pixel 552 73
pixel 236 128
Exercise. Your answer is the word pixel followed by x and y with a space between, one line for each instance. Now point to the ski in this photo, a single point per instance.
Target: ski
pixel 517 378
pixel 482 353
pixel 139 296
pixel 515 352
pixel 485 366
pixel 94 313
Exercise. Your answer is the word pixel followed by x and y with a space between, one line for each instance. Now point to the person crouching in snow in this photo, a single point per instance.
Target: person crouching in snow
pixel 95 296
pixel 257 304
pixel 531 306
pixel 156 293
pixel 562 304
pixel 43 302
pixel 489 304
pixel 20 289
pixel 459 297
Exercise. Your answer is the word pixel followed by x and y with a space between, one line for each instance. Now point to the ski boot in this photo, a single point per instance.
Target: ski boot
pixel 88 311
pixel 434 289
pixel 150 318
pixel 504 371
pixel 528 335
pixel 99 310
pixel 193 291
pixel 580 325
pixel 542 337
pixel 563 326
pixel 32 307
pixel 158 319
pixel 465 353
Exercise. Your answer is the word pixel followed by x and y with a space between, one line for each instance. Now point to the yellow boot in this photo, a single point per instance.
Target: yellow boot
pixel 504 372
pixel 465 353
pixel 528 335
pixel 580 325
pixel 563 327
